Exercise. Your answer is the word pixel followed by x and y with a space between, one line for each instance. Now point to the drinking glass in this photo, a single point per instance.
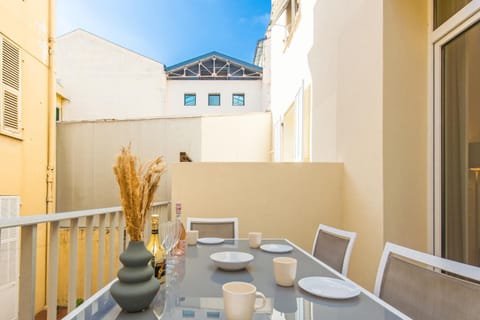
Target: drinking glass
pixel 175 232
pixel 170 233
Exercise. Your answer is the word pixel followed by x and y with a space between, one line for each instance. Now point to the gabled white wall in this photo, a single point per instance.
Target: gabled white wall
pixel 106 81
pixel 177 88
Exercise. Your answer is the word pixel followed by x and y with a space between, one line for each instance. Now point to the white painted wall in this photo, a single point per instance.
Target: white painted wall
pixel 106 81
pixel 290 68
pixel 177 88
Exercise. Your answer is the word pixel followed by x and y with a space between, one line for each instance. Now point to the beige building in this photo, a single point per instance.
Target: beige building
pixel 27 135
pixel 374 101
pixel 386 88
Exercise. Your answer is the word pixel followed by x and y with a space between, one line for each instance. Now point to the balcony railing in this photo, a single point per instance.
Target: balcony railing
pixel 110 225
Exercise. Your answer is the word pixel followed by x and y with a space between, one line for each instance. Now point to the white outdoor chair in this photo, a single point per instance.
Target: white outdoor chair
pixel 334 247
pixel 226 228
pixel 424 287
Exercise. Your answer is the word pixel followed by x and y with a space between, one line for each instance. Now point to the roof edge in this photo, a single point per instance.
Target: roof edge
pixel 69 33
pixel 214 53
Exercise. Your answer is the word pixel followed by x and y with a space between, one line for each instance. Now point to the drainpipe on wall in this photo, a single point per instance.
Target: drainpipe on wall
pixel 51 110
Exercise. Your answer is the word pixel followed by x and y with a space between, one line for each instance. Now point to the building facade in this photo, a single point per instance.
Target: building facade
pixel 352 98
pixel 27 134
pixel 214 83
pixel 386 87
pixel 105 81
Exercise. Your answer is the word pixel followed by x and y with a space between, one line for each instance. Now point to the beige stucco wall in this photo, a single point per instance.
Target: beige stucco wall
pixel 281 200
pixel 367 65
pixel 405 122
pixel 86 151
pixel 347 118
pixel 243 137
pixel 23 162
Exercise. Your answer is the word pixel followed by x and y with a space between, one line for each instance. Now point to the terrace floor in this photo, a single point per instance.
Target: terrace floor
pixel 61 312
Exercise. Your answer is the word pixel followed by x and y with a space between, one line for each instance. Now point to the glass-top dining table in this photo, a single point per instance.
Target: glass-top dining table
pixel 193 290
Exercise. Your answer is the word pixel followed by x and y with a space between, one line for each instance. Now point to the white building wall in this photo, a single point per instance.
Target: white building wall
pixel 266 77
pixel 289 59
pixel 106 81
pixel 177 88
pixel 290 63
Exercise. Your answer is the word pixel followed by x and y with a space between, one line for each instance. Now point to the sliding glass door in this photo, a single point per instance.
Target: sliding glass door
pixel 458 157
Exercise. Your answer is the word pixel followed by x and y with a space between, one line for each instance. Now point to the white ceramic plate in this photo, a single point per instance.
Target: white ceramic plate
pixel 231 260
pixel 276 248
pixel 210 240
pixel 329 287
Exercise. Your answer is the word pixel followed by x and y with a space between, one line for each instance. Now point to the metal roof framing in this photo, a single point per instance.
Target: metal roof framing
pixel 214 66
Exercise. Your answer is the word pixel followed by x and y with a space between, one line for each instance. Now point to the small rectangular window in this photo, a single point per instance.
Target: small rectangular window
pixel 238 99
pixel 213 99
pixel 189 99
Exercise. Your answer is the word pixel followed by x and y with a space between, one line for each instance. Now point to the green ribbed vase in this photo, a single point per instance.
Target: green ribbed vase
pixel 136 286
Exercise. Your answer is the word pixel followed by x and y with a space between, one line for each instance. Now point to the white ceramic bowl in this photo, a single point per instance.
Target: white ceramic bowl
pixel 231 260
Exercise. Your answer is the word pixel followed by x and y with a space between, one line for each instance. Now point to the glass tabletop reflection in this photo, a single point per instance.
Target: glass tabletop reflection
pixel 193 290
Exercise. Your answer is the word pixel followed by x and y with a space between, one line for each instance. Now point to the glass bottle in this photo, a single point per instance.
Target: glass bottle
pixel 155 247
pixel 180 249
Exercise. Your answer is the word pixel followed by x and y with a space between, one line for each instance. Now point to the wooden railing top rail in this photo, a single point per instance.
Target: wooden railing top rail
pixel 45 218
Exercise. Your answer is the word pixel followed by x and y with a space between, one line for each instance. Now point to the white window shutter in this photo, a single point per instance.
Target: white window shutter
pixel 10 90
pixel 9 259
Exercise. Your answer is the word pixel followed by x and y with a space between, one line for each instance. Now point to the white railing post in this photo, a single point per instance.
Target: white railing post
pixel 73 265
pixel 111 251
pixel 121 233
pixel 28 263
pixel 88 257
pixel 52 281
pixel 101 251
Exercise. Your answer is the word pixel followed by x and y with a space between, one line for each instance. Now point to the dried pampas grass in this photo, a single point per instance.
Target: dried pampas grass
pixel 138 184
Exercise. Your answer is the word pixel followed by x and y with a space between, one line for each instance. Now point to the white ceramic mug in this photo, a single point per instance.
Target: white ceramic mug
pixel 239 300
pixel 285 270
pixel 254 239
pixel 192 236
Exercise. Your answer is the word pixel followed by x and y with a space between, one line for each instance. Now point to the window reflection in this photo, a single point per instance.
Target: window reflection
pixel 460 138
pixel 444 9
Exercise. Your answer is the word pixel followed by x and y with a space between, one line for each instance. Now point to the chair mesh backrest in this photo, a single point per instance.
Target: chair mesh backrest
pixel 422 293
pixel 224 230
pixel 331 249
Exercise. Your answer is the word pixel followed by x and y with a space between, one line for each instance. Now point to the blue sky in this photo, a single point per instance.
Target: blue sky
pixel 171 31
